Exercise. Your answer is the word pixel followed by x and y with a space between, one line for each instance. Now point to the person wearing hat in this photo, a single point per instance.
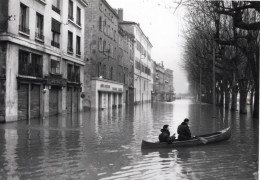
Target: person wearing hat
pixel 184 131
pixel 165 135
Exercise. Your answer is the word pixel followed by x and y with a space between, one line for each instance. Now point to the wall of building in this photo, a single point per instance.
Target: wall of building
pixel 95 56
pixel 16 40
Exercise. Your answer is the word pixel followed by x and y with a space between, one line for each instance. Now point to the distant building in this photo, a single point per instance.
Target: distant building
pixel 103 84
pixel 159 82
pixel 41 57
pixel 169 90
pixel 142 62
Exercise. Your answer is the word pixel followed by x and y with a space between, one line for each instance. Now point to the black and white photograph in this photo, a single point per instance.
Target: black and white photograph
pixel 129 89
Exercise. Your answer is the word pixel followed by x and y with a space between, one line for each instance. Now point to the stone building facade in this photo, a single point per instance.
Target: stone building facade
pixel 159 82
pixel 126 64
pixel 103 88
pixel 41 62
pixel 143 79
pixel 169 90
pixel 163 89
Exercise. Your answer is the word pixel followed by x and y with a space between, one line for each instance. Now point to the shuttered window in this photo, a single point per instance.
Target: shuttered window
pixel 55 26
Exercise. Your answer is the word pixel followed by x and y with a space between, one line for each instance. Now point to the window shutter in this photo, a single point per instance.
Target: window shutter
pixel 55 27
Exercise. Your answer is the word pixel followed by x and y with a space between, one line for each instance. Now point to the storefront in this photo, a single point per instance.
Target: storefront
pixel 106 94
pixel 55 83
pixel 29 98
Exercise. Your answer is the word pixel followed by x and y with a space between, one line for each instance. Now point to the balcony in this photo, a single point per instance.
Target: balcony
pixel 30 70
pixel 70 17
pixel 57 10
pixel 70 50
pixel 78 23
pixel 73 77
pixel 24 29
pixel 39 36
pixel 78 53
pixel 55 44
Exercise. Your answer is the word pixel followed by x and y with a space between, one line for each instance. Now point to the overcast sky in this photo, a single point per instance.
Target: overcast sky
pixel 164 29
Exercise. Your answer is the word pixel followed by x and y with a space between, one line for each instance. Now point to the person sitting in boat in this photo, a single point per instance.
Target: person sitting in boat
pixel 184 131
pixel 165 135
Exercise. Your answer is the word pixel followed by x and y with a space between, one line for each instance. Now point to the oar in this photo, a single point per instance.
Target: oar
pixel 203 140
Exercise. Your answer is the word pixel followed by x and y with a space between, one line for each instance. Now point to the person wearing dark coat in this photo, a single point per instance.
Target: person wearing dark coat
pixel 184 131
pixel 165 135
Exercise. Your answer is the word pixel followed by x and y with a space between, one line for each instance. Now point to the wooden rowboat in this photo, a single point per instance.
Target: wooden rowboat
pixel 200 140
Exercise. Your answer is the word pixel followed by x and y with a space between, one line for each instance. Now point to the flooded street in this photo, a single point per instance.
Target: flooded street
pixel 107 145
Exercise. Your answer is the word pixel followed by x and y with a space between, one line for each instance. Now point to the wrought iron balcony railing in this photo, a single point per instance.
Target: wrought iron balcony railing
pixel 70 50
pixel 55 44
pixel 24 29
pixel 39 36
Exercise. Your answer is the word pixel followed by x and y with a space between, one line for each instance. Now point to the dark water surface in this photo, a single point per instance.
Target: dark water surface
pixel 107 145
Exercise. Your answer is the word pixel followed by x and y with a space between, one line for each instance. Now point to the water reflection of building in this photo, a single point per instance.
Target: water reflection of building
pixel 41 63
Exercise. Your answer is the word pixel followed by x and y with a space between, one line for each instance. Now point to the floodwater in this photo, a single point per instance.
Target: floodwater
pixel 107 145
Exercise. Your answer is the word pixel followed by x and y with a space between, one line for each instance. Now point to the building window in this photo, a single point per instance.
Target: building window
pixel 70 15
pixel 55 33
pixel 99 69
pixel 104 45
pixel 56 6
pixel 105 27
pixel 30 64
pixel 24 19
pixel 73 73
pixel 100 44
pixel 104 69
pixel 70 42
pixel 55 67
pixel 78 46
pixel 114 55
pixel 77 73
pixel 111 73
pixel 114 35
pixel 100 23
pixel 39 27
pixel 78 16
pixel 70 72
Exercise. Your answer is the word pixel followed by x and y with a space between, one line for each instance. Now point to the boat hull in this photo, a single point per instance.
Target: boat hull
pixel 202 140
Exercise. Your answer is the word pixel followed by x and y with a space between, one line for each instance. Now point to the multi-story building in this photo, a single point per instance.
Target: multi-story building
pixel 103 88
pixel 126 64
pixel 41 58
pixel 169 91
pixel 158 82
pixel 142 62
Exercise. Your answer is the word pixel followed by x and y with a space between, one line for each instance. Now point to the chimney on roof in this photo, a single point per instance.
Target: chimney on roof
pixel 120 13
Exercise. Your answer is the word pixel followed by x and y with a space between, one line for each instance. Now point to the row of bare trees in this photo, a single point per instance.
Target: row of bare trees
pixel 229 32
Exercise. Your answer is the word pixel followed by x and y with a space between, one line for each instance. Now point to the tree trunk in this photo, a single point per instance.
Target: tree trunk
pixel 251 96
pixel 217 98
pixel 221 102
pixel 253 58
pixel 243 89
pixel 234 98
pixel 256 101
pixel 227 98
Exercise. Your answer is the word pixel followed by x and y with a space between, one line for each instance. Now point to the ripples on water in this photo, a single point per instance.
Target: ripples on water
pixel 106 145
